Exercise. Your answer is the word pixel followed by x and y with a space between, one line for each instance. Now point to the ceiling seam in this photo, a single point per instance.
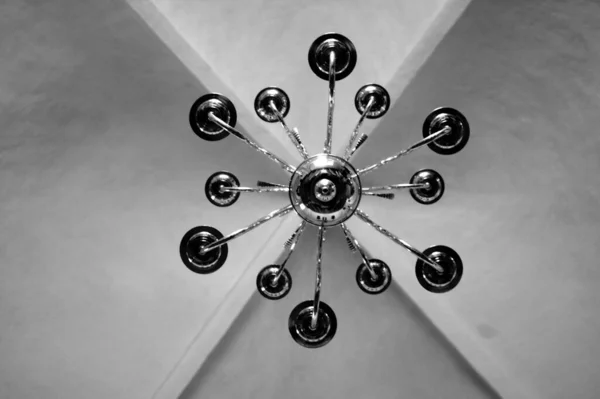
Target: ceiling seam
pixel 207 339
pixel 204 73
pixel 420 52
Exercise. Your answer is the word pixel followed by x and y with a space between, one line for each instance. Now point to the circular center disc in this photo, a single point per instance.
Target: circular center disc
pixel 325 190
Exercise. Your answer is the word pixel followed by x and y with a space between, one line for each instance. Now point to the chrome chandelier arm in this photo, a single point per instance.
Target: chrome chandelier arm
pixel 327 149
pixel 349 148
pixel 361 140
pixel 251 143
pixel 292 134
pixel 324 190
pixel 315 313
pixel 365 218
pixel 244 230
pixel 254 190
pixel 429 139
pixel 363 252
pixel 261 183
pixel 394 187
pixel 290 246
pixel 389 196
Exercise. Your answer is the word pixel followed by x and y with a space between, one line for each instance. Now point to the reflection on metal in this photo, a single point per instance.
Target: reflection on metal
pixel 324 190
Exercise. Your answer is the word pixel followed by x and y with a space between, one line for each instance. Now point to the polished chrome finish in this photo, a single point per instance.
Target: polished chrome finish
pixel 290 242
pixel 315 207
pixel 299 141
pixel 255 190
pixel 212 117
pixel 427 140
pixel 321 238
pixel 366 95
pixel 212 103
pixel 271 103
pixel 300 320
pixel 292 134
pixel 331 103
pixel 215 186
pixel 270 288
pixel 325 190
pixel 290 245
pixel 244 230
pixel 434 280
pixel 361 140
pixel 349 147
pixel 388 196
pixel 375 278
pixel 351 246
pixel 432 186
pixel 190 250
pixel 446 117
pixel 365 218
pixel 362 252
pixel 345 55
pixel 393 187
pixel 261 183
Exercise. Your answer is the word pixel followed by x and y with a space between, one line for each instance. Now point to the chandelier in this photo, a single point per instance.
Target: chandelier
pixel 324 190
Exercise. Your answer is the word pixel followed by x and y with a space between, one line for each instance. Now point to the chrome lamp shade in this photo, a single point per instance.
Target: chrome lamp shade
pixel 324 190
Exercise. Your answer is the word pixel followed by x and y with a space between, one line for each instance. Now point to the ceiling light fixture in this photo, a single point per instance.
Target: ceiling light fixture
pixel 324 190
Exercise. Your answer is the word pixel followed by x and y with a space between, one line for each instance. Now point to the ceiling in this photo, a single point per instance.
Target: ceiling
pixel 101 176
pixel 226 36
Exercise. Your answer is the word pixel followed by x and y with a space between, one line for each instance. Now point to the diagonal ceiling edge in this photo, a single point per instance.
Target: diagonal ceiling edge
pixel 466 344
pixel 442 316
pixel 436 311
pixel 499 377
pixel 418 55
pixel 464 341
pixel 222 318
pixel 199 68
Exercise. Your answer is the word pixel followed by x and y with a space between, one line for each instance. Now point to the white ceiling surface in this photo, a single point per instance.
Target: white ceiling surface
pixel 522 199
pixel 257 43
pixel 216 37
pixel 101 177
pixel 383 347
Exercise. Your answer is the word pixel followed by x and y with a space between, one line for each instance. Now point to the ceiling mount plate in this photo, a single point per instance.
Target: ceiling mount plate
pixel 299 325
pixel 221 107
pixel 377 285
pixel 379 95
pixel 345 55
pixel 213 186
pixel 191 244
pixel 262 104
pixel 452 142
pixel 446 280
pixel 433 192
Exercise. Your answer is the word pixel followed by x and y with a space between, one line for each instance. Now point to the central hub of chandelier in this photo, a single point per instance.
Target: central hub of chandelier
pixel 324 190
